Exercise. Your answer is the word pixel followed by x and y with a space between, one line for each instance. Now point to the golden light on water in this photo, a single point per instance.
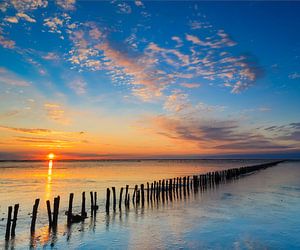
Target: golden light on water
pixel 48 184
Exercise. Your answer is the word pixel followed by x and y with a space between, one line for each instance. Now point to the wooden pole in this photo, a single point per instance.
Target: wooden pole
pixel 69 219
pixel 95 202
pixel 107 200
pixel 114 198
pixel 49 213
pixel 126 196
pixel 34 214
pixel 8 223
pixel 151 193
pixel 143 194
pixel 120 199
pixel 55 211
pixel 92 201
pixel 14 222
pixel 148 192
pixel 83 212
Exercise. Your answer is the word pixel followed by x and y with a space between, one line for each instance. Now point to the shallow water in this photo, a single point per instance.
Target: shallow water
pixel 260 211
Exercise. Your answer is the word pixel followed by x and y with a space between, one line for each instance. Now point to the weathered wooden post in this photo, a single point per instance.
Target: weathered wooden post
pixel 14 222
pixel 114 198
pixel 49 213
pixel 69 215
pixel 148 192
pixel 170 190
pixel 8 223
pixel 128 201
pixel 154 190
pixel 55 211
pixel 107 200
pixel 151 193
pixel 34 214
pixel 95 202
pixel 83 212
pixel 120 199
pixel 134 194
pixel 92 202
pixel 126 196
pixel 143 194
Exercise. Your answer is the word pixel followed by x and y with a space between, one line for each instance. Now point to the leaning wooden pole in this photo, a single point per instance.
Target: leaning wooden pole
pixel 8 223
pixel 34 215
pixel 69 218
pixel 120 199
pixel 14 221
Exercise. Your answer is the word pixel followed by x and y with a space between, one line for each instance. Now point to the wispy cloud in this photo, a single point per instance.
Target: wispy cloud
pixel 55 112
pixel 214 134
pixel 294 75
pixel 66 4
pixel 10 78
pixel 43 131
pixel 26 17
pixel 190 85
pixel 78 86
pixel 38 131
pixel 6 42
pixel 50 56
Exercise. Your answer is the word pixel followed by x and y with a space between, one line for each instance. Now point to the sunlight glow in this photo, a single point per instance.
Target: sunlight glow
pixel 51 156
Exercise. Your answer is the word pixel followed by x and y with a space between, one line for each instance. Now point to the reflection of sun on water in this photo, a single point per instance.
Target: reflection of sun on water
pixel 51 156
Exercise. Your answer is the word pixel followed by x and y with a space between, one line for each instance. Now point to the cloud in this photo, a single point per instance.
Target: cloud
pixel 26 17
pixel 222 40
pixel 177 101
pixel 11 19
pixel 45 142
pixel 9 114
pixel 253 145
pixel 44 132
pixel 39 131
pixel 55 112
pixel 288 132
pixel 66 4
pixel 138 3
pixel 294 75
pixel 54 24
pixel 10 78
pixel 190 85
pixel 78 86
pixel 124 8
pixel 5 42
pixel 27 5
pixel 178 40
pixel 224 135
pixel 95 33
pixel 50 56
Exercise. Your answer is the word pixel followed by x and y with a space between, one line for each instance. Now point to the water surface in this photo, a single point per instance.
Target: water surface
pixel 258 211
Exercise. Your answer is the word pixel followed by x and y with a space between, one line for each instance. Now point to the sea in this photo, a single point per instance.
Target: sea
pixel 257 211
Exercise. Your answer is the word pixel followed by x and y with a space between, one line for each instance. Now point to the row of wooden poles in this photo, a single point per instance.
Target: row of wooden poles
pixel 156 191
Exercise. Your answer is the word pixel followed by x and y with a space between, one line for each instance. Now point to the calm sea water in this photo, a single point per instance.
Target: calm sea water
pixel 260 211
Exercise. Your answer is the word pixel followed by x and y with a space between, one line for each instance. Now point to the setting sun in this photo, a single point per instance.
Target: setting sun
pixel 51 156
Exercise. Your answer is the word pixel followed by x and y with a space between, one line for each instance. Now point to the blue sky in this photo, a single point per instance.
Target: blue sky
pixel 149 79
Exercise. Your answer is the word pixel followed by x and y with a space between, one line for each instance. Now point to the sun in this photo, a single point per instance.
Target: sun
pixel 51 156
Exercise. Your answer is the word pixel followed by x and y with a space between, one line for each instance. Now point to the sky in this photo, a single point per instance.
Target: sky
pixel 149 79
